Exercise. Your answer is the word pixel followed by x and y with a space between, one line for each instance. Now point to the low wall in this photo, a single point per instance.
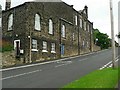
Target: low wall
pixel 96 48
pixel 8 59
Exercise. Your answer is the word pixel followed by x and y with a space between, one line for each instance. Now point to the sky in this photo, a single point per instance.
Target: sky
pixel 98 12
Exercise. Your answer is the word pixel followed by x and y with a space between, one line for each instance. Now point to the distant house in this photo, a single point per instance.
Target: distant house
pixel 47 30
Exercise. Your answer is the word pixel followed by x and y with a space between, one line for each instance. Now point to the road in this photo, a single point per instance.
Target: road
pixel 55 74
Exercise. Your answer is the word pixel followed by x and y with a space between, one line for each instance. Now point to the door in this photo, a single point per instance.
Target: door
pixel 62 49
pixel 17 47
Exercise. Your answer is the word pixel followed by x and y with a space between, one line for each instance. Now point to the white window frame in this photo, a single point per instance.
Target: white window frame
pixel 88 27
pixel 81 23
pixel 37 22
pixel 10 22
pixel 53 48
pixel 44 46
pixel 85 25
pixel 50 26
pixel 34 42
pixel 63 31
pixel 15 43
pixel 76 22
pixel 83 43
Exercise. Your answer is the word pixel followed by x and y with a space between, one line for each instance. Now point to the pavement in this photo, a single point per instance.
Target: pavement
pixel 55 74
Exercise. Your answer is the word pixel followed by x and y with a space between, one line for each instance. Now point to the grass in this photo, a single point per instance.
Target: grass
pixel 106 78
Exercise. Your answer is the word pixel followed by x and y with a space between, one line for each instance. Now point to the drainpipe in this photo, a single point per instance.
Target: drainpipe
pixel 30 48
pixel 60 37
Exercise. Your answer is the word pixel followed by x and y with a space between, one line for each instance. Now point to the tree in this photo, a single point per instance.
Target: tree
pixel 118 35
pixel 101 39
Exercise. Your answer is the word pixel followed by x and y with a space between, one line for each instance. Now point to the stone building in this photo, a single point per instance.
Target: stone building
pixel 47 30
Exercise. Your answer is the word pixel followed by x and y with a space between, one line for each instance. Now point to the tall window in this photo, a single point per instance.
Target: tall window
pixel 87 44
pixel 84 25
pixel 83 44
pixel 0 22
pixel 50 26
pixel 44 46
pixel 76 20
pixel 52 47
pixel 63 31
pixel 37 22
pixel 34 45
pixel 10 22
pixel 81 23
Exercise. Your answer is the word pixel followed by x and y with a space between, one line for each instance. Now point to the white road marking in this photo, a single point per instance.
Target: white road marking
pixel 20 74
pixel 108 64
pixel 59 65
pixel 105 65
pixel 117 60
pixel 65 63
pixel 83 59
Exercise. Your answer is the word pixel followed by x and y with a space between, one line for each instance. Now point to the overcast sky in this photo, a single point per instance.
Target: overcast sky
pixel 98 12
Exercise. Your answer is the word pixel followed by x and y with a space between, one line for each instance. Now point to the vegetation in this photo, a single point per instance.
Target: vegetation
pixel 5 46
pixel 101 39
pixel 118 35
pixel 106 78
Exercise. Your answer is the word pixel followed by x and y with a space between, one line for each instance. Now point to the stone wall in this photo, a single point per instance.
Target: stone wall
pixel 8 59
pixel 96 48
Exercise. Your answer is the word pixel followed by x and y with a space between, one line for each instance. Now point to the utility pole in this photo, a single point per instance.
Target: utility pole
pixel 112 34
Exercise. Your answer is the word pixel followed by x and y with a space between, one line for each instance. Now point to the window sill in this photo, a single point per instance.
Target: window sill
pixel 38 30
pixel 44 51
pixel 35 50
pixel 53 52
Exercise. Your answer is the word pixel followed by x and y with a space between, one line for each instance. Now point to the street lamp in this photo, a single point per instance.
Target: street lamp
pixel 96 41
pixel 112 34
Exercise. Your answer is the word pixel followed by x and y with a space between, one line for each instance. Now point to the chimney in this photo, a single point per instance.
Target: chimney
pixel 86 10
pixel 8 4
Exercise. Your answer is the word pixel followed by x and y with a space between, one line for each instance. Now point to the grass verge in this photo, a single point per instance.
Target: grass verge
pixel 106 78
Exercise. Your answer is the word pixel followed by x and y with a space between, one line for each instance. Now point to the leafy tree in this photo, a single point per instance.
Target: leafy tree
pixel 118 35
pixel 101 39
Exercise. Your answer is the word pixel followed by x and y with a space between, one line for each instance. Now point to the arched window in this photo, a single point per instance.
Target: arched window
pixel 50 26
pixel 37 22
pixel 10 22
pixel 63 31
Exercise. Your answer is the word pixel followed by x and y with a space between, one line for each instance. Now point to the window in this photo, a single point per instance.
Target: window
pixel 81 23
pixel 50 26
pixel 84 25
pixel 76 20
pixel 34 45
pixel 83 44
pixel 0 22
pixel 10 22
pixel 37 22
pixel 87 44
pixel 53 48
pixel 44 46
pixel 63 31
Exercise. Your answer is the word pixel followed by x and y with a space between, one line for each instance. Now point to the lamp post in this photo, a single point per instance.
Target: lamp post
pixel 112 34
pixel 96 40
